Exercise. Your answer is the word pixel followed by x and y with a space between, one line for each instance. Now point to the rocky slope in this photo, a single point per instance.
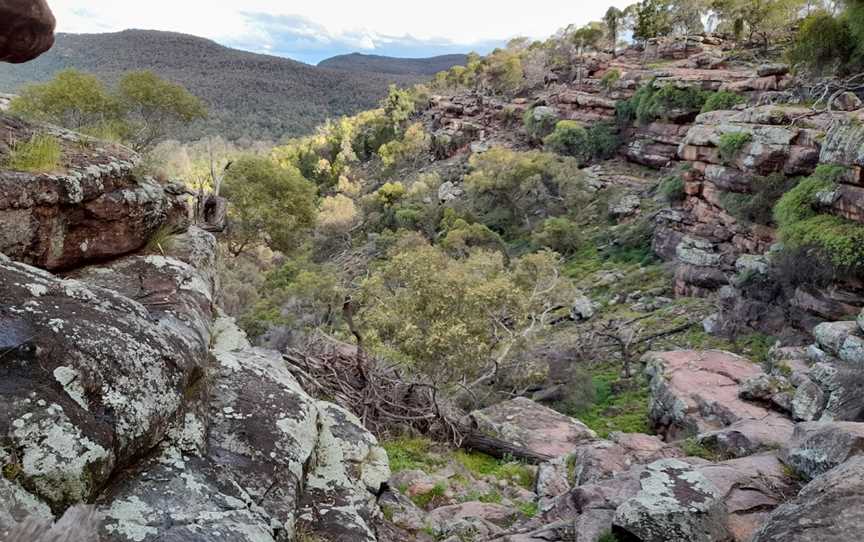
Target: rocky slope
pixel 123 387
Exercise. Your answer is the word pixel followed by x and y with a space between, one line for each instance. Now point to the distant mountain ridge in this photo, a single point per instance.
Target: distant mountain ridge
pixel 248 95
pixel 358 62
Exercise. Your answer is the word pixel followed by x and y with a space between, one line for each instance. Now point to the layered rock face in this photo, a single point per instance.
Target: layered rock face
pixel 92 209
pixel 121 385
pixel 26 29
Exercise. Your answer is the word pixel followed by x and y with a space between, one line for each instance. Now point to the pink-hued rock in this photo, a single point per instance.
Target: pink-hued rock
pixel 530 425
pixel 694 392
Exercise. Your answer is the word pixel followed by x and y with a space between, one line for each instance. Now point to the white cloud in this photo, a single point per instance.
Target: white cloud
pixel 363 25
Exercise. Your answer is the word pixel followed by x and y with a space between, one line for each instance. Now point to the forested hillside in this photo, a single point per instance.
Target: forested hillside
pixel 248 95
pixel 357 62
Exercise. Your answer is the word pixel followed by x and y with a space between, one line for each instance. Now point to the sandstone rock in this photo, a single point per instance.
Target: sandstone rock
pixel 26 29
pixel 448 191
pixel 582 309
pixel 847 101
pixel 817 447
pixel 401 511
pixel 772 69
pixel 747 437
pixel 119 378
pixel 625 207
pixel 695 392
pixel 525 423
pixel 697 252
pixel 676 503
pixel 828 509
pixel 441 519
pixel 95 210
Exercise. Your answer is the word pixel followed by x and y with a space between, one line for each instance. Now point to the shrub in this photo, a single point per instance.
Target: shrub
pixel 841 241
pixel 599 142
pixel 800 203
pixel 722 100
pixel 824 44
pixel 732 143
pixel 40 153
pixel 650 103
pixel 559 234
pixel 390 193
pixel 540 121
pixel 758 206
pixel 462 238
pixel 610 78
pixel 413 144
pixel 671 189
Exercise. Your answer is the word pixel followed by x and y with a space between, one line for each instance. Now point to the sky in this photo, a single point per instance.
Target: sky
pixel 313 30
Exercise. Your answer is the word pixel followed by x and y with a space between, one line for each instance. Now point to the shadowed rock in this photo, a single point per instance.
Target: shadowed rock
pixel 26 29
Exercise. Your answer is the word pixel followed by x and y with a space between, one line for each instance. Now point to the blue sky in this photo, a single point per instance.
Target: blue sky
pixel 311 31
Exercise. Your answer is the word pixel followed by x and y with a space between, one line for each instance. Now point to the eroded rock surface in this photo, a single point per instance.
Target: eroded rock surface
pixel 26 29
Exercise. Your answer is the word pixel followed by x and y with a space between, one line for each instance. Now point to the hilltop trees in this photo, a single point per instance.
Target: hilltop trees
pixel 143 110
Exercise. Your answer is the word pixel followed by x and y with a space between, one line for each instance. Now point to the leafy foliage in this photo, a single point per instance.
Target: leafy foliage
pixel 721 101
pixel 540 121
pixel 652 102
pixel 599 142
pixel 671 189
pixel 143 110
pixel 508 189
pixel 269 204
pixel 731 144
pixel 559 234
pixel 757 207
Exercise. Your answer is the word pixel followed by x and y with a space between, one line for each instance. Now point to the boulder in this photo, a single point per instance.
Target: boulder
pixel 527 424
pixel 694 392
pixel 766 70
pixel 817 447
pixel 748 437
pixel 847 101
pixel 675 503
pixel 828 509
pixel 26 29
pixel 92 380
pixel 95 210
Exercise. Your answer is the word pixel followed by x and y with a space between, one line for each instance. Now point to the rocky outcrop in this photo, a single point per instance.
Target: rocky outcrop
pixel 697 394
pixel 527 424
pixel 826 510
pixel 26 29
pixel 818 447
pixel 94 209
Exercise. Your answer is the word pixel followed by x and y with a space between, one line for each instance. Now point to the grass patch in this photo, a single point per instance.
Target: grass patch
pixel 40 153
pixel 626 412
pixel 529 509
pixel 693 448
pixel 424 500
pixel 161 241
pixel 492 497
pixel 732 143
pixel 412 454
pixel 723 100
pixel 608 536
pixel 481 465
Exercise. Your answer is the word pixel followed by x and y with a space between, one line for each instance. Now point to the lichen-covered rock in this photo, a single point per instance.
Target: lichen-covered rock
pixel 527 424
pixel 828 509
pixel 817 447
pixel 676 503
pixel 748 437
pixel 90 382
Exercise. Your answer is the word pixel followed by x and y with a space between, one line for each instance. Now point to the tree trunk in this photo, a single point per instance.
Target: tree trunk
pixel 501 449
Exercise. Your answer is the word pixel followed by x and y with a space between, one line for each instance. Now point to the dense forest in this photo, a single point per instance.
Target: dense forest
pixel 358 62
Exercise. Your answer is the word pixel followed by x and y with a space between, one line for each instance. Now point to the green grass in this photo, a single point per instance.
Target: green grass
pixel 529 509
pixel 161 241
pixel 424 500
pixel 412 454
pixel 732 143
pixel 608 537
pixel 481 465
pixel 41 153
pixel 625 412
pixel 492 497
pixel 693 448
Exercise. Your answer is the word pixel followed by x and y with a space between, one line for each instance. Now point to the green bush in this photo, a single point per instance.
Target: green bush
pixel 610 78
pixel 539 122
pixel 800 203
pixel 732 143
pixel 758 206
pixel 650 103
pixel 599 142
pixel 722 100
pixel 824 44
pixel 671 189
pixel 40 153
pixel 559 234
